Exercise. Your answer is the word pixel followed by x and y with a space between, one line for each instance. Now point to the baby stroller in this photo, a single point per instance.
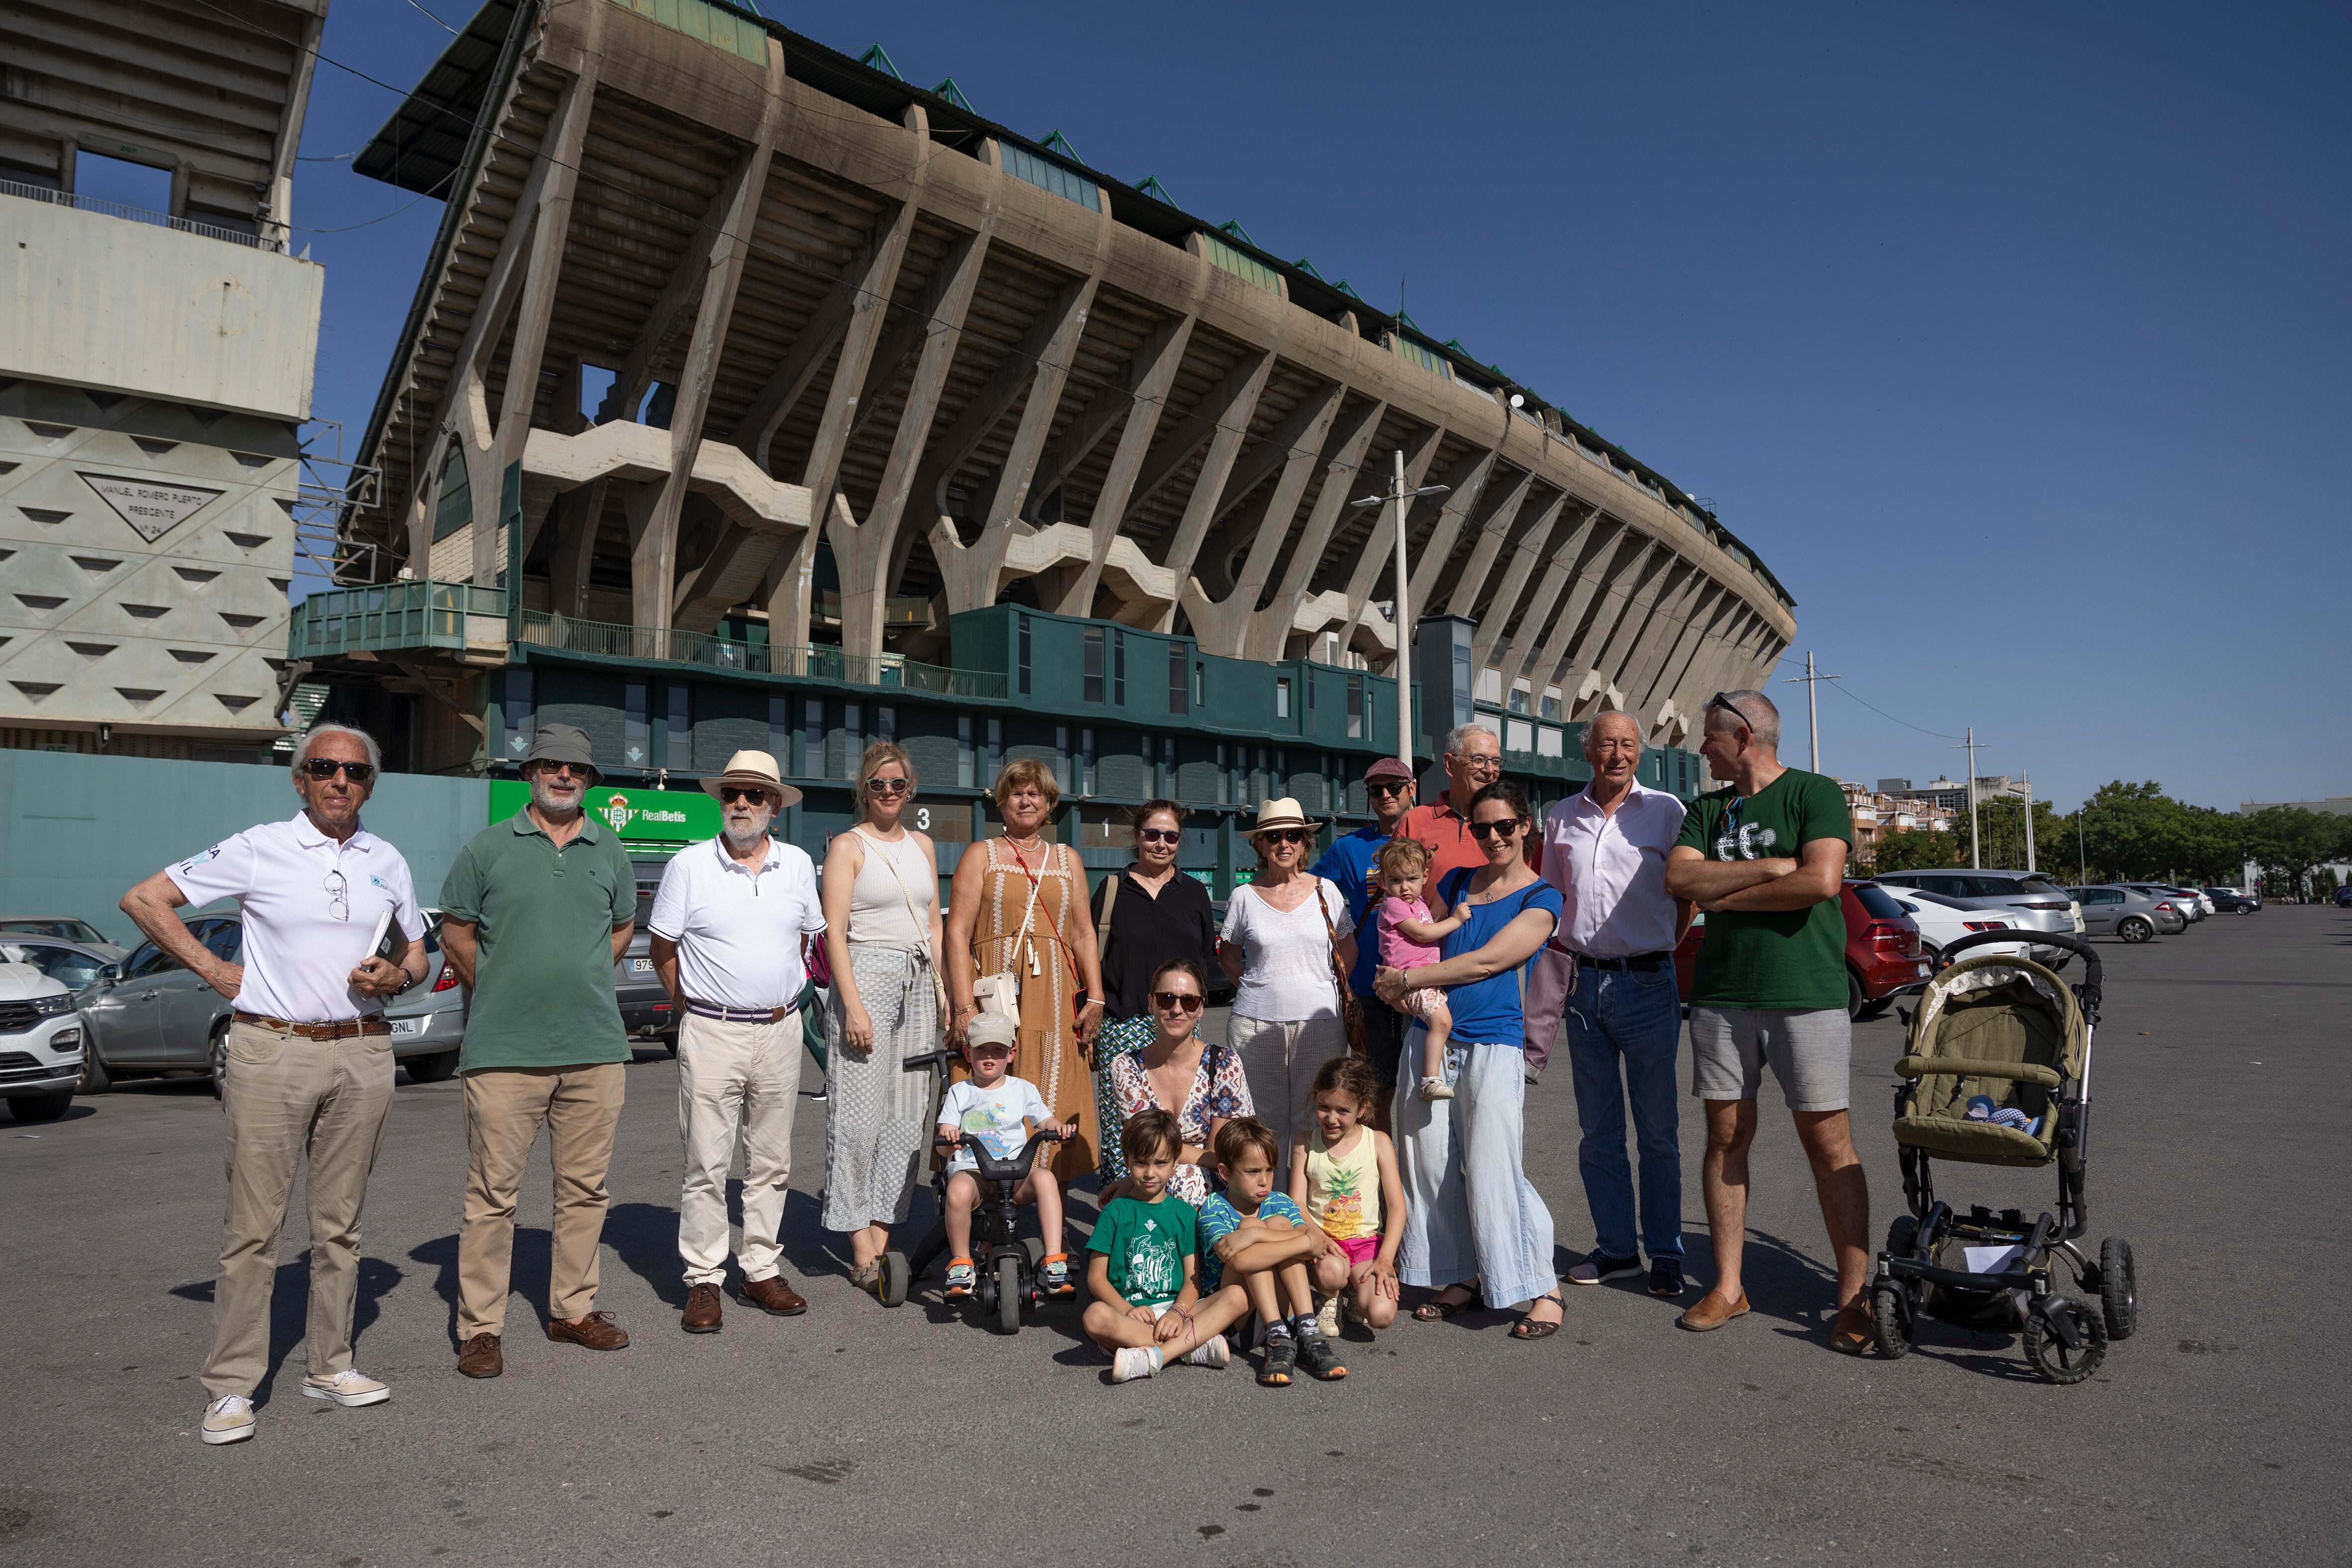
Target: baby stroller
pixel 1006 1265
pixel 1998 1073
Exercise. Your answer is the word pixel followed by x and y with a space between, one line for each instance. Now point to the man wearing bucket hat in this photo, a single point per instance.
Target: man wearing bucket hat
pixel 1287 941
pixel 1347 864
pixel 730 927
pixel 536 911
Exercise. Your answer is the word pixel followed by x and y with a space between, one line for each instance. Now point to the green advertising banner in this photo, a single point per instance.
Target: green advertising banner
pixel 639 816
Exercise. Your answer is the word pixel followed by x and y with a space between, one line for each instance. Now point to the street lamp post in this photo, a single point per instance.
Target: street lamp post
pixel 1402 497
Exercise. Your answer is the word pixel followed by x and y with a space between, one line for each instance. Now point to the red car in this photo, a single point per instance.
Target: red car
pixel 1883 960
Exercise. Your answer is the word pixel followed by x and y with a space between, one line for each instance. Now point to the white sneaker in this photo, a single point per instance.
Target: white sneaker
pixel 347 1388
pixel 1212 1353
pixel 1326 1317
pixel 1436 1089
pixel 227 1419
pixel 1134 1361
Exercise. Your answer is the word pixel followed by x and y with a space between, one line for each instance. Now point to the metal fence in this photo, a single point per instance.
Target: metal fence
pixel 817 662
pixel 139 215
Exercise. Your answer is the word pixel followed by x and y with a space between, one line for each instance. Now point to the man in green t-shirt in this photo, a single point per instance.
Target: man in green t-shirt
pixel 535 913
pixel 1765 861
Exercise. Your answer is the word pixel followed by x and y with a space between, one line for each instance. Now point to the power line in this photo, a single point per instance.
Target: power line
pixel 1882 713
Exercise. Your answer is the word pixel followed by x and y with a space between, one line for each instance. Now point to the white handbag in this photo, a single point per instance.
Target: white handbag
pixel 1001 993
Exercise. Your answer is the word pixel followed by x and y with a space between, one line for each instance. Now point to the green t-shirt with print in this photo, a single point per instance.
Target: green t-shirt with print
pixel 1147 1244
pixel 1780 959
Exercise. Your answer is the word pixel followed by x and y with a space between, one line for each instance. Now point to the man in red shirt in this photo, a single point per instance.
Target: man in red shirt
pixel 1474 759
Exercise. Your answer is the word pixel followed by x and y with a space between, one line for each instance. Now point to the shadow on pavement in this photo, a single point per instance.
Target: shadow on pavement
pixel 289 1309
pixel 527 1277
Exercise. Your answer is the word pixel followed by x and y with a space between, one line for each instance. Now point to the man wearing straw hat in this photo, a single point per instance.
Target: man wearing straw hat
pixel 536 911
pixel 729 928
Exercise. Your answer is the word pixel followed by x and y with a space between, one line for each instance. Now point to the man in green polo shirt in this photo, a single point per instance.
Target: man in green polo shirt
pixel 1765 859
pixel 535 913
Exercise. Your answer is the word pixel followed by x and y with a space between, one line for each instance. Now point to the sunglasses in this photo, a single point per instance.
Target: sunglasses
pixel 1388 787
pixel 1723 700
pixel 1159 836
pixel 1176 1001
pixel 325 768
pixel 562 769
pixel 730 793
pixel 1505 829
pixel 1283 836
pixel 888 787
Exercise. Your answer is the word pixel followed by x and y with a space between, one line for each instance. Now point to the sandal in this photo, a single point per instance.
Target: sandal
pixel 1436 1310
pixel 868 1276
pixel 1530 1327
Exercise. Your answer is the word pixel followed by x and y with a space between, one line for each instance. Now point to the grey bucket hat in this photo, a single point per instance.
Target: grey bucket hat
pixel 564 743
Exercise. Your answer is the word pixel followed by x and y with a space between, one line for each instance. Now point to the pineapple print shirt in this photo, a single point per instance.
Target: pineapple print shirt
pixel 1343 1191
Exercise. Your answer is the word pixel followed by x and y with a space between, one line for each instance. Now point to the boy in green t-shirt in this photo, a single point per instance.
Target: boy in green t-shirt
pixel 1765 860
pixel 1146 1250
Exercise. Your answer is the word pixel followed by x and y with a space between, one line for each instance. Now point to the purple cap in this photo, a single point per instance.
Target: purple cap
pixel 1388 768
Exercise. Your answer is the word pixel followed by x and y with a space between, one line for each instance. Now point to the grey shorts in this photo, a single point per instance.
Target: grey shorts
pixel 1810 1051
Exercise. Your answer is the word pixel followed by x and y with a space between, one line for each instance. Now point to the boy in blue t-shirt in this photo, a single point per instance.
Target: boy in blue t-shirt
pixel 1260 1236
pixel 1146 1305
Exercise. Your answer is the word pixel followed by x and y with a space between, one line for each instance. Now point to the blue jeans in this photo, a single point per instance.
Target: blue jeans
pixel 1636 1018
pixel 1470 1210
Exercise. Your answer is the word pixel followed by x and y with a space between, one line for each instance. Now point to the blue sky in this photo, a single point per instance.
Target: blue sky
pixel 2010 336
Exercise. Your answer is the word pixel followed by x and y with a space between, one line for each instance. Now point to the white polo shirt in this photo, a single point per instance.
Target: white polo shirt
pixel 309 906
pixel 738 930
pixel 1611 869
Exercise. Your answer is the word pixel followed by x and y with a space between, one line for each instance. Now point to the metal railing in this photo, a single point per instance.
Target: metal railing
pixel 395 615
pixel 816 663
pixel 139 216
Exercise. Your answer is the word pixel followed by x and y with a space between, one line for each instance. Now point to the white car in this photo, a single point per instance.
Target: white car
pixel 1944 920
pixel 40 1042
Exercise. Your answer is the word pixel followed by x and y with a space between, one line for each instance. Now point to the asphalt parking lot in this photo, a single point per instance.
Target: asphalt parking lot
pixel 2218 1432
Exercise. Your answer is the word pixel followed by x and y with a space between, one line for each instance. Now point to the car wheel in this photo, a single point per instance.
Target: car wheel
pixel 431 1069
pixel 1854 997
pixel 2135 929
pixel 217 1055
pixel 41 1107
pixel 94 1078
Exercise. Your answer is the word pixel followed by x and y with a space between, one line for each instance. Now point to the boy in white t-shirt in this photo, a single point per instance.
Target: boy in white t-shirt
pixel 999 1112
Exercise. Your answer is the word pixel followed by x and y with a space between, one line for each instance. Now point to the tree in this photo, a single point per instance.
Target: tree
pixel 1918 850
pixel 2291 841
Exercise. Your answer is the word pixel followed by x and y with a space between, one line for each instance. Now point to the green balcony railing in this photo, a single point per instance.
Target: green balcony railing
pixel 395 615
pixel 817 662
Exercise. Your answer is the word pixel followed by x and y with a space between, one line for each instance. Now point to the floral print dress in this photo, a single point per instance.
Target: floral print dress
pixel 1220 1091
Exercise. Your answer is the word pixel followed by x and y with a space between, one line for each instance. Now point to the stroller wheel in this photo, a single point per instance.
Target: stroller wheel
pixel 898 1280
pixel 1902 1236
pixel 1892 1321
pixel 2052 1356
pixel 2118 1288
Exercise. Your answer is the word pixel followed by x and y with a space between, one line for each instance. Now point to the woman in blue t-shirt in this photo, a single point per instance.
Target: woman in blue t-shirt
pixel 1475 1224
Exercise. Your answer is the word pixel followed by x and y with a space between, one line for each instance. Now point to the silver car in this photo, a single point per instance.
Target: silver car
pixel 428 1023
pixel 2114 910
pixel 2186 900
pixel 2028 900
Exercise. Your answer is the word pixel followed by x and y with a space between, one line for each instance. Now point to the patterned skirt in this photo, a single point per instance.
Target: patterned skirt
pixel 1118 1037
pixel 875 1108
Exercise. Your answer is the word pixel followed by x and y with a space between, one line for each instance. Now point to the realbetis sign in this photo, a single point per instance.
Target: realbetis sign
pixel 638 816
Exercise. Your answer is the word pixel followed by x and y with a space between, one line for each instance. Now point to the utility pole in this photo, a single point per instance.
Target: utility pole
pixel 2029 821
pixel 1812 706
pixel 2082 857
pixel 1976 855
pixel 1403 498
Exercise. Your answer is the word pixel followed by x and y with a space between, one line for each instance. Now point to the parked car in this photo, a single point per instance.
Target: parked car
pixel 1883 959
pixel 2188 908
pixel 428 1023
pixel 1944 920
pixel 63 928
pixel 2235 900
pixel 2343 897
pixel 40 1043
pixel 645 1009
pixel 2114 910
pixel 77 966
pixel 2028 900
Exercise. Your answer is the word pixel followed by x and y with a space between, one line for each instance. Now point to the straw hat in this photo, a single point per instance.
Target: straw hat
pixel 755 769
pixel 1283 811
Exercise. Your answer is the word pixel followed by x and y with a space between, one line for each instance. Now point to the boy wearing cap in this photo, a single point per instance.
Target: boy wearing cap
pixel 730 928
pixel 536 911
pixel 1001 1113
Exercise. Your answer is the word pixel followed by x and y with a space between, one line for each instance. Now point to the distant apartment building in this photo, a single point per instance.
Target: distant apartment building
pixel 2334 806
pixel 1952 794
pixel 155 366
pixel 1875 812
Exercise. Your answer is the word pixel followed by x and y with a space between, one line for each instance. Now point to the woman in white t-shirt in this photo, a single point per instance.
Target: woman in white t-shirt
pixel 1282 932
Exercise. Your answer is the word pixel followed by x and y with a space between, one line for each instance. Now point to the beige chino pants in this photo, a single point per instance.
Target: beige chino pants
pixel 735 1077
pixel 504 1108
pixel 285 1097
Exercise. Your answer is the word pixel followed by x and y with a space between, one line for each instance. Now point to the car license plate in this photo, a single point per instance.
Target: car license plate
pixel 641 966
pixel 408 1028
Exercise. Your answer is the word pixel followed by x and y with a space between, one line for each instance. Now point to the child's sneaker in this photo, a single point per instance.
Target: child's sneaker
pixel 1281 1356
pixel 961 1279
pixel 1326 1317
pixel 1321 1360
pixel 1054 1273
pixel 1436 1089
pixel 1212 1353
pixel 1134 1361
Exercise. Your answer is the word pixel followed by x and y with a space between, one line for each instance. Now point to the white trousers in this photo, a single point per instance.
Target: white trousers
pixel 735 1080
pixel 1280 1059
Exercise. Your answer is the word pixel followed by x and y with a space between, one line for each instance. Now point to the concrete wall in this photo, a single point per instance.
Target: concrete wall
pixel 77 831
pixel 102 301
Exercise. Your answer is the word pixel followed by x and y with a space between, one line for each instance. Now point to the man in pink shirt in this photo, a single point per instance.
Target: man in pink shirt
pixel 1605 849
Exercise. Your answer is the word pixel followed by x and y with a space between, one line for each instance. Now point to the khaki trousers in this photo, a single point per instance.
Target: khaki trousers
pixel 504 1108
pixel 735 1077
pixel 285 1097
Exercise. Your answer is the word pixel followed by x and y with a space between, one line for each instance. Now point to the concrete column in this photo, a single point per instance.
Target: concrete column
pixel 1540 646
pixel 1436 549
pixel 1144 385
pixel 1222 625
pixel 1532 575
pixel 1223 419
pixel 1493 533
pixel 1344 480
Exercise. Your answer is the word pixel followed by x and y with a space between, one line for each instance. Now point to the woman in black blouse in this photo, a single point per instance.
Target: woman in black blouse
pixel 1146 916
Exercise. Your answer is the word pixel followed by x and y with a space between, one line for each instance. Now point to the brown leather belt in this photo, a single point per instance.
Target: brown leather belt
pixel 740 1015
pixel 344 1029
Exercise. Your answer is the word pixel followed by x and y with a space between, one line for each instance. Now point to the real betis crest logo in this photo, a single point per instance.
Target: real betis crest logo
pixel 619 813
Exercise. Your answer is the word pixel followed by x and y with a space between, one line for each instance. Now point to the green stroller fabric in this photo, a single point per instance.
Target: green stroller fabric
pixel 2002 1027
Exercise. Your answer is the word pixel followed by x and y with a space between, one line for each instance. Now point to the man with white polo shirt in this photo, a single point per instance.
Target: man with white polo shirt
pixel 729 926
pixel 309 1055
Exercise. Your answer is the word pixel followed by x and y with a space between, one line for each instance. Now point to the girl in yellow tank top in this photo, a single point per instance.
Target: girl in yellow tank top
pixel 1344 1175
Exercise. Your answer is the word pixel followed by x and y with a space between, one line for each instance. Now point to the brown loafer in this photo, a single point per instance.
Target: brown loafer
pixel 480 1357
pixel 701 1314
pixel 1850 1335
pixel 1711 1312
pixel 773 1295
pixel 597 1330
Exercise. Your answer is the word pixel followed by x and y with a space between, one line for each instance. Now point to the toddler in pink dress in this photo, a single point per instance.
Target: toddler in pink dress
pixel 1409 939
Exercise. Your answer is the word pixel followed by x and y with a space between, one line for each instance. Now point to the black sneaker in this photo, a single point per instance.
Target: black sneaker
pixel 1281 1356
pixel 1321 1360
pixel 1666 1277
pixel 1596 1268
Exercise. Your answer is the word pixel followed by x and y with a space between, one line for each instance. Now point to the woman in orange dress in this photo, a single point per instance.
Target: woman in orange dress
pixel 1018 907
